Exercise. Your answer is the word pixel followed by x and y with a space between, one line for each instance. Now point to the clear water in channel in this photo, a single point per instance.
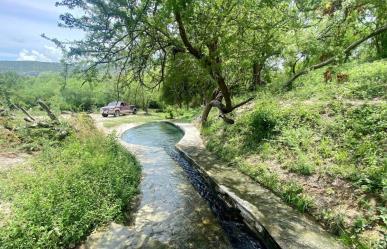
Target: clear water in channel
pixel 177 209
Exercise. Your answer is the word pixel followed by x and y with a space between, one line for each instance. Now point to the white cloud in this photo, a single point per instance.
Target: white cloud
pixel 53 52
pixel 49 54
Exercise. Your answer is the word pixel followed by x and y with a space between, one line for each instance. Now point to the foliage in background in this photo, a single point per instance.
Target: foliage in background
pixel 71 94
pixel 230 46
pixel 30 67
pixel 186 83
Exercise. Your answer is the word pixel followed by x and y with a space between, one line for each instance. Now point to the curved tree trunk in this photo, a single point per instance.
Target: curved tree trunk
pixel 206 112
pixel 213 63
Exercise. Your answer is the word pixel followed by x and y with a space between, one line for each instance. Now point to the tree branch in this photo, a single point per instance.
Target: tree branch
pixel 242 103
pixel 183 34
pixel 347 51
pixel 25 112
pixel 49 112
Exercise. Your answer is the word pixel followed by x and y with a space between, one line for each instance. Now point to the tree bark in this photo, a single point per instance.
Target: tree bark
pixel 206 112
pixel 213 62
pixel 347 51
pixel 49 112
pixel 29 117
pixel 257 80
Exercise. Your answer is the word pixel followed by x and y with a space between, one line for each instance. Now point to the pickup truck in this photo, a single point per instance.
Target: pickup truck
pixel 118 108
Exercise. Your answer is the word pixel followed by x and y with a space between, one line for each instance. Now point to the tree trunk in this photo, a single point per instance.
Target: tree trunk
pixel 213 63
pixel 257 81
pixel 206 112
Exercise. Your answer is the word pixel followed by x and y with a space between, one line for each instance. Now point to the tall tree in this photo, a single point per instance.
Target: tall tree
pixel 231 40
pixel 139 36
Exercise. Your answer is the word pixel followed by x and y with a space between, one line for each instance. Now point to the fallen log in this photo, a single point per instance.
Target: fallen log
pixel 49 112
pixel 29 120
pixel 29 117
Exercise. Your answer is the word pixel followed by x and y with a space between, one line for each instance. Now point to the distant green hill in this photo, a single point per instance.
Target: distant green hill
pixel 30 67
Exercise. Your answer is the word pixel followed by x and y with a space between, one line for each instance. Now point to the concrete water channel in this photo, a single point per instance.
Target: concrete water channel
pixel 176 209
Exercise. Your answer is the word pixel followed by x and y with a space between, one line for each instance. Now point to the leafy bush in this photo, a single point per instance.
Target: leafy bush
pixel 170 111
pixel 153 104
pixel 263 122
pixel 68 191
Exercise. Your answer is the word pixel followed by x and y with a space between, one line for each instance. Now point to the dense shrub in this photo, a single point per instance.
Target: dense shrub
pixel 263 122
pixel 68 191
pixel 153 104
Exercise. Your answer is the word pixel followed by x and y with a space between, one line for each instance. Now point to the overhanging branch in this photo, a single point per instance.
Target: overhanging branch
pixel 347 51
pixel 183 34
pixel 242 103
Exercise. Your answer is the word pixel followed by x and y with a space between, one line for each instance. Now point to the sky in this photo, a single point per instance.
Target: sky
pixel 21 24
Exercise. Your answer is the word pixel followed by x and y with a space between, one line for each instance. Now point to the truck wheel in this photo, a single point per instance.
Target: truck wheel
pixel 117 113
pixel 104 115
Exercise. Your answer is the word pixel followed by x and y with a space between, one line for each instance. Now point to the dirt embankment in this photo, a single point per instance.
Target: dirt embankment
pixel 11 159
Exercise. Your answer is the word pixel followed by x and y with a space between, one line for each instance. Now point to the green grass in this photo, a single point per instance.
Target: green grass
pixel 332 129
pixel 110 121
pixel 291 192
pixel 67 191
pixel 175 114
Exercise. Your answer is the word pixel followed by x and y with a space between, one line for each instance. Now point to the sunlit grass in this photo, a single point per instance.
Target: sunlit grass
pixel 178 115
pixel 111 121
pixel 331 130
pixel 67 191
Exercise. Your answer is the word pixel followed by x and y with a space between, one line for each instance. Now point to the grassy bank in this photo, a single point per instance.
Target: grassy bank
pixel 67 190
pixel 321 147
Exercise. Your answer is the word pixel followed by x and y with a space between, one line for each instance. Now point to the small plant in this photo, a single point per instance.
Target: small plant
pixel 170 113
pixel 302 166
pixel 262 123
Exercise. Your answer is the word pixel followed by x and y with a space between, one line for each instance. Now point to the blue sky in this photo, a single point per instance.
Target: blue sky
pixel 21 24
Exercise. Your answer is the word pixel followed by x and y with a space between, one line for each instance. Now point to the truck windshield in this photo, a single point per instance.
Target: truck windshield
pixel 113 103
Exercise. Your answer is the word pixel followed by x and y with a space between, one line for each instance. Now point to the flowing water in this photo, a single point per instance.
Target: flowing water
pixel 177 209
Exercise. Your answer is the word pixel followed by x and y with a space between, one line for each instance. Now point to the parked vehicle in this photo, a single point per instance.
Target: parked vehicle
pixel 118 108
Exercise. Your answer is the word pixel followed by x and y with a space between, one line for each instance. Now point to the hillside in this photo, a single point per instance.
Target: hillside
pixel 29 67
pixel 321 147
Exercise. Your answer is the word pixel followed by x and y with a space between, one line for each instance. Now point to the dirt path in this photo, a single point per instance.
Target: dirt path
pixel 10 159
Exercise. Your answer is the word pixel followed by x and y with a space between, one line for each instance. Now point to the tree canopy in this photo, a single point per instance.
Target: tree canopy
pixel 225 46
